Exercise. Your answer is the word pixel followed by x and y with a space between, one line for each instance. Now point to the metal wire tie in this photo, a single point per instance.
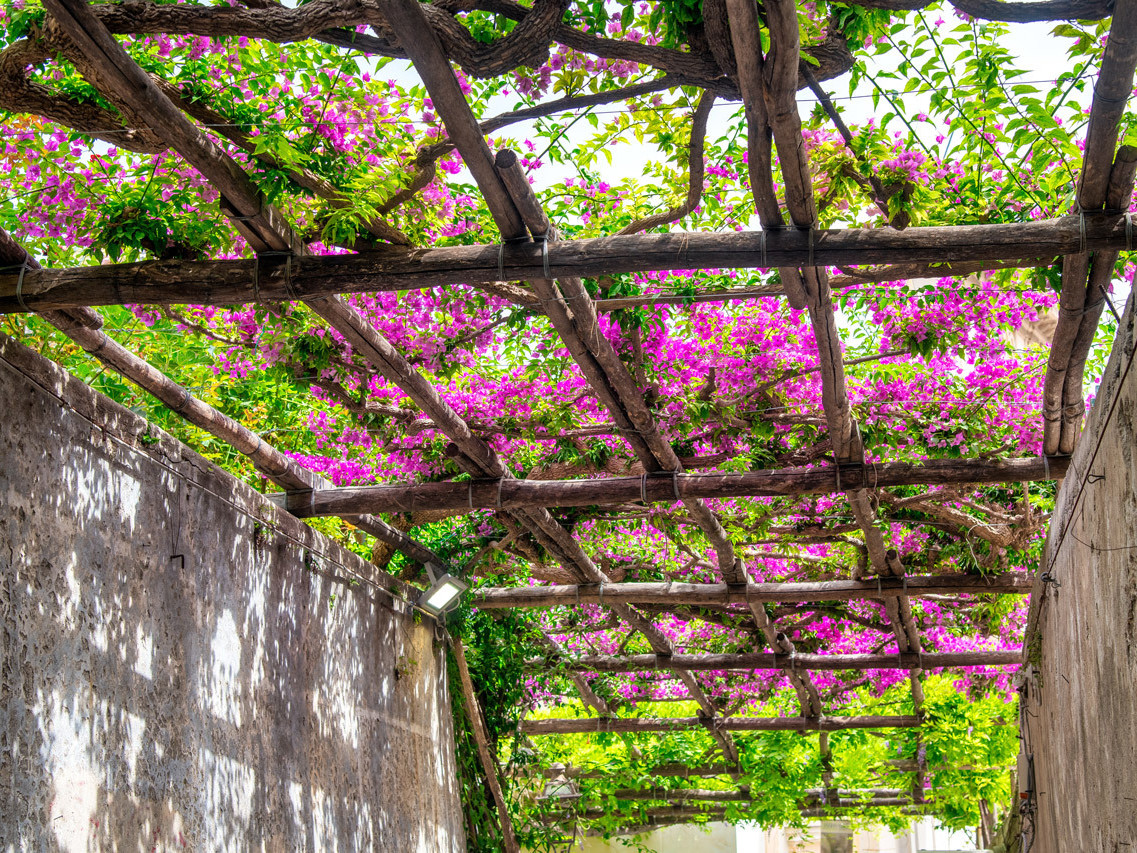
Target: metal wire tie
pixel 274 253
pixel 545 251
pixel 24 267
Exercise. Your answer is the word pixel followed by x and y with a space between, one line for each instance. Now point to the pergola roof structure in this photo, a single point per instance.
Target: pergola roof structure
pixel 750 54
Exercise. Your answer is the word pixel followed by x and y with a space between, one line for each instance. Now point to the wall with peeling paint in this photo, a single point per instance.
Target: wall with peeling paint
pixel 182 666
pixel 1079 711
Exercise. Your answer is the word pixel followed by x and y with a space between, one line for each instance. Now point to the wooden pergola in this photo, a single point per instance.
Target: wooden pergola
pixel 527 250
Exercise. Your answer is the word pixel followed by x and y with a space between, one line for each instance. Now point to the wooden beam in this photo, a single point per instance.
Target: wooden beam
pixel 508 493
pixel 810 662
pixel 418 38
pixel 225 282
pixel 810 795
pixel 496 598
pixel 593 725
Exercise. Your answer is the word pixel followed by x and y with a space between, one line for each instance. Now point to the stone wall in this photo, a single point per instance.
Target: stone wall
pixel 183 667
pixel 1079 716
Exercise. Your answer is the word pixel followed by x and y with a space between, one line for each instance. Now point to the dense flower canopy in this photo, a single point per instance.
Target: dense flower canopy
pixel 631 120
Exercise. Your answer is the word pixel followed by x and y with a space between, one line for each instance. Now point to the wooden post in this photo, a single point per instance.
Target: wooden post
pixel 481 738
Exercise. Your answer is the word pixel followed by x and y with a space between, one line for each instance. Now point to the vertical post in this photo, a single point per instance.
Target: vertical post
pixel 481 737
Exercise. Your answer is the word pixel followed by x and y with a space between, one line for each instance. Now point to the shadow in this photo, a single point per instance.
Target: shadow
pixel 180 670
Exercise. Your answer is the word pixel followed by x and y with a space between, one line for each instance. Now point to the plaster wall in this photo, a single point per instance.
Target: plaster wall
pixel 183 666
pixel 1079 713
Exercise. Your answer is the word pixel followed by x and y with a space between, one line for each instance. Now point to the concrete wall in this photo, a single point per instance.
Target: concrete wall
pixel 182 667
pixel 1079 717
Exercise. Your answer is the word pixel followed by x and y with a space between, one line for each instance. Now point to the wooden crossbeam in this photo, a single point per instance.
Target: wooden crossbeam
pixel 889 796
pixel 595 725
pixel 748 661
pixel 704 594
pixel 225 282
pixel 507 493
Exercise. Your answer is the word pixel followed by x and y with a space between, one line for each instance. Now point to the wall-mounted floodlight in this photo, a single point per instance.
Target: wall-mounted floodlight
pixel 444 592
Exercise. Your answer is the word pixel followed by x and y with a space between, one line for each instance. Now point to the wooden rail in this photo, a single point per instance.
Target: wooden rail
pixel 507 493
pixel 225 282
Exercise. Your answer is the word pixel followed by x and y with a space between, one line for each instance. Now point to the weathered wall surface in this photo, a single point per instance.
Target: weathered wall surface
pixel 1080 714
pixel 182 667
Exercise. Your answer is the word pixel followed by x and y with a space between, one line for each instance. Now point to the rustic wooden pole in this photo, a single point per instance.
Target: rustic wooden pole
pixel 702 594
pixel 506 493
pixel 481 738
pixel 592 725
pixel 765 661
pixel 1062 406
pixel 1099 281
pixel 874 796
pixel 226 282
pixel 673 815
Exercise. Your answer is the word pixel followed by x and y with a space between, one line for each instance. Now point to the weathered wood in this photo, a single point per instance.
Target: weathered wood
pixel 566 595
pixel 419 40
pixel 520 494
pixel 1118 196
pixel 671 815
pixel 764 661
pixel 1111 94
pixel 590 725
pixel 683 771
pixel 875 796
pixel 227 282
pixel 481 739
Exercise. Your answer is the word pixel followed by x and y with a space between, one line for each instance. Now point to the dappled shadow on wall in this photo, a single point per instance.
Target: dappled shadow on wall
pixel 176 675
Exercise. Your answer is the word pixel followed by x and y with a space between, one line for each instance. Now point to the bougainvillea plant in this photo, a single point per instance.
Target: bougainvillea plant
pixel 943 125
